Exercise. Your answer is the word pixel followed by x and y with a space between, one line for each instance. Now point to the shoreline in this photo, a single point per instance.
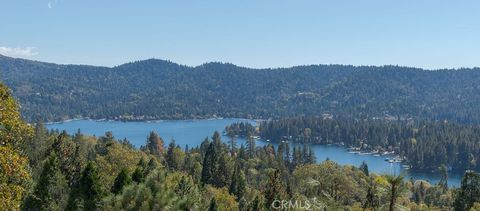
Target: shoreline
pixel 149 120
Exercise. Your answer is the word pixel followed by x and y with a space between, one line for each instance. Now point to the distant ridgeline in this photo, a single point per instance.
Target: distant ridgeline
pixel 157 89
pixel 425 146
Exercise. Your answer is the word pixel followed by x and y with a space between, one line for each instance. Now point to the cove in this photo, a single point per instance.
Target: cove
pixel 193 132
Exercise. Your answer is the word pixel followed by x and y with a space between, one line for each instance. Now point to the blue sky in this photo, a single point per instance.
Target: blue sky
pixel 255 33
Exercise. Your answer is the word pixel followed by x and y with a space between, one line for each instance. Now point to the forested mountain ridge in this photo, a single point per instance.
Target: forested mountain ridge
pixel 158 89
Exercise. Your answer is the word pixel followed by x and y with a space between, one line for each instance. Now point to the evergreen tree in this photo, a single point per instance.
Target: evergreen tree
pixel 238 185
pixel 151 166
pixel 51 188
pixel 364 168
pixel 223 175
pixel 396 188
pixel 154 144
pixel 123 179
pixel 188 192
pixel 204 146
pixel 297 157
pixel 274 189
pixel 87 194
pixel 371 200
pixel 281 152
pixel 233 145
pixel 213 205
pixel 311 156
pixel 216 138
pixel 242 154
pixel 251 147
pixel 444 177
pixel 138 176
pixel 469 192
pixel 210 165
pixel 171 159
pixel 256 204
pixel 304 157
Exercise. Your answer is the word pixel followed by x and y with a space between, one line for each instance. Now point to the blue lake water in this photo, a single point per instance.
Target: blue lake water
pixel 193 132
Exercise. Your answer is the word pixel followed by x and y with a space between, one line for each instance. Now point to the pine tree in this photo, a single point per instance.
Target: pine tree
pixel 123 179
pixel 210 165
pixel 155 144
pixel 138 176
pixel 251 148
pixel 444 179
pixel 87 194
pixel 281 152
pixel 364 168
pixel 216 138
pixel 239 183
pixel 469 192
pixel 51 188
pixel 396 187
pixel 233 146
pixel 256 204
pixel 242 154
pixel 151 166
pixel 204 147
pixel 213 205
pixel 274 189
pixel 222 176
pixel 372 200
pixel 305 159
pixel 171 159
pixel 297 157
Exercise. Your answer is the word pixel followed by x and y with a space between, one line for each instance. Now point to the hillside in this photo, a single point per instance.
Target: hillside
pixel 158 89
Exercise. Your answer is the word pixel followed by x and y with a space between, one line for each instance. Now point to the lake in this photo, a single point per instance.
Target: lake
pixel 193 132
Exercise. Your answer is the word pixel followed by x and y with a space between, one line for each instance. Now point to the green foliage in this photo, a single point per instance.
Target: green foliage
pixel 210 166
pixel 87 194
pixel 138 175
pixel 396 188
pixel 153 194
pixel 274 188
pixel 175 156
pixel 364 168
pixel 154 144
pixel 238 185
pixel 151 89
pixel 213 205
pixel 51 190
pixel 14 174
pixel 469 192
pixel 236 181
pixel 425 146
pixel 123 179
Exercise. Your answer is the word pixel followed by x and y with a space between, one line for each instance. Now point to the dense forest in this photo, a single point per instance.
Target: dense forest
pixel 425 146
pixel 157 89
pixel 52 170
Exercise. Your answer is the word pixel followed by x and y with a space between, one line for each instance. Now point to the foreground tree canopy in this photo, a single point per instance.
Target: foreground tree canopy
pixel 14 174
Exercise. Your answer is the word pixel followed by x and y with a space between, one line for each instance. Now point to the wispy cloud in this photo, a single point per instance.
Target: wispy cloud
pixel 52 3
pixel 18 52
